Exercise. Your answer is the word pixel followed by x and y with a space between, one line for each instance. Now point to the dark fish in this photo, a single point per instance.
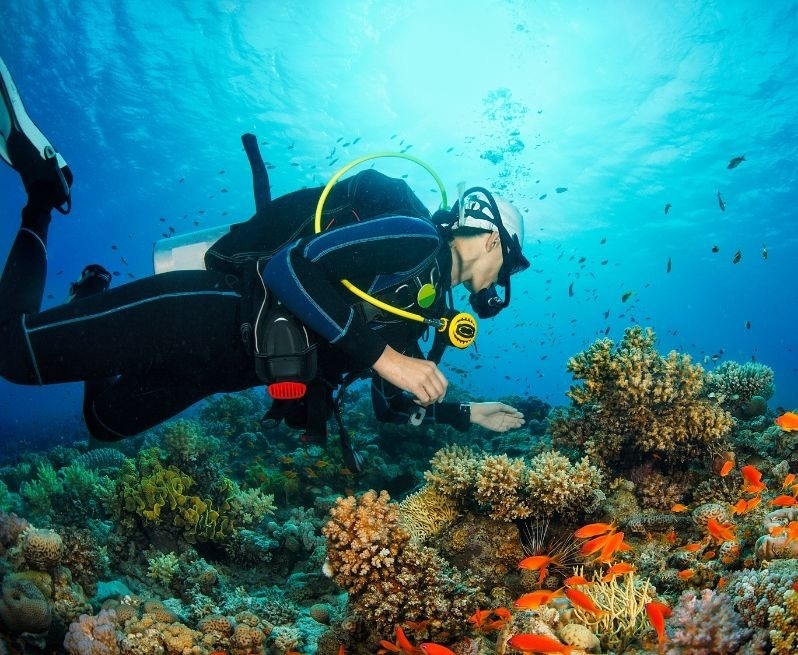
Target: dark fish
pixel 449 149
pixel 606 330
pixel 668 207
pixel 606 314
pixel 393 136
pixel 346 145
pixel 668 267
pixel 734 162
pixel 543 196
pixel 604 262
pixel 339 139
pixel 715 249
pixel 561 189
pixel 113 246
pixel 626 296
pixel 171 229
pixel 124 261
pixel 748 325
pixel 764 251
pixel 223 190
pixel 180 181
pixel 603 241
pixel 221 172
pixel 571 290
pixel 737 257
pixel 721 204
pixel 355 140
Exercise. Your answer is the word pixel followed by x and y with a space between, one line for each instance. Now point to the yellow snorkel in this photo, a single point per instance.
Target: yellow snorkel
pixel 461 329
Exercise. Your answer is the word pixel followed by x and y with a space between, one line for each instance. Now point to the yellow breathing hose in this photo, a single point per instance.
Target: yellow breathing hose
pixel 317 227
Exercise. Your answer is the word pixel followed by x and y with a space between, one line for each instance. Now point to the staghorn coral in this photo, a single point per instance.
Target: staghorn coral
pixel 706 625
pixel 622 601
pixel 389 578
pixel 736 387
pixel 633 401
pixel 424 513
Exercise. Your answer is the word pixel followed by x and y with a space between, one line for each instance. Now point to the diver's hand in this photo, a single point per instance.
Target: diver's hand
pixel 416 376
pixel 496 416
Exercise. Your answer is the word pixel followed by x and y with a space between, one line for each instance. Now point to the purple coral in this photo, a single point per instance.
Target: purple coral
pixel 706 625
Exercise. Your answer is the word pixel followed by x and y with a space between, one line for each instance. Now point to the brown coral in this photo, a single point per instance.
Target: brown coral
pixel 23 607
pixel 41 549
pixel 425 512
pixel 633 399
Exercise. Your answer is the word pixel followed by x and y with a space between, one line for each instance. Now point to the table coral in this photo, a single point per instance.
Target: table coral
pixel 632 400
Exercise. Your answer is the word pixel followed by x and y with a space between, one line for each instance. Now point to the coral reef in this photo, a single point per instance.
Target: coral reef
pixel 705 625
pixel 390 579
pixel 633 402
pixel 23 607
pixel 426 512
pixel 509 489
pixel 621 602
pixel 742 389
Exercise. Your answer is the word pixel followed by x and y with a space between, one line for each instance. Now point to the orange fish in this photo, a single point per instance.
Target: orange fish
pixel 685 574
pixel 613 544
pixel 594 545
pixel 787 421
pixel 728 465
pixel 484 620
pixel 431 648
pixel 753 502
pixel 739 507
pixel 678 507
pixel 538 644
pixel 581 599
pixel 792 532
pixel 594 530
pixel 657 613
pixel 535 562
pixel 753 479
pixel 788 480
pixel 417 626
pixel 576 581
pixel 404 643
pixel 720 532
pixel 691 548
pixel 670 537
pixel 535 599
pixel 784 501
pixel 708 555
pixel 621 568
pixel 341 650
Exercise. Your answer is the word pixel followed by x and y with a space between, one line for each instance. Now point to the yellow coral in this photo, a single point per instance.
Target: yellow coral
pixel 783 621
pixel 632 396
pixel 623 605
pixel 498 484
pixel 425 512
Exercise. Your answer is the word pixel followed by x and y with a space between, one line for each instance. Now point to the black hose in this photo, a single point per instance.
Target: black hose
pixel 260 178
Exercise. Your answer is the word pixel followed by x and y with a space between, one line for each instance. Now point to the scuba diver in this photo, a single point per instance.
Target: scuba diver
pixel 280 302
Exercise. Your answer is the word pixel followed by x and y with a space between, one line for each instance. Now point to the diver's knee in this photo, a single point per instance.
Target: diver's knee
pixel 15 361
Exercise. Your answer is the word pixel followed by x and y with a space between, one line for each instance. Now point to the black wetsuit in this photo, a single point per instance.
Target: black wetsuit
pixel 153 347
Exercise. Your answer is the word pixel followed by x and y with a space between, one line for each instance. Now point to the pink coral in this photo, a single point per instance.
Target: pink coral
pixel 706 625
pixel 93 635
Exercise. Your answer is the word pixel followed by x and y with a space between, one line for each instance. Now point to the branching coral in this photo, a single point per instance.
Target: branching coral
pixel 634 401
pixel 735 387
pixel 622 602
pixel 509 488
pixel 389 578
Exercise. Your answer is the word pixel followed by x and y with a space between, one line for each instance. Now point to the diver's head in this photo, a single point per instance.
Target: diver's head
pixel 493 231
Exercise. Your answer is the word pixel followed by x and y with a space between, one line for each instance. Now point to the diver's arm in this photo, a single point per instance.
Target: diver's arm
pixel 306 277
pixel 392 405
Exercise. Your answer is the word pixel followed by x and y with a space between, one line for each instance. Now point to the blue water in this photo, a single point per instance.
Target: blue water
pixel 629 106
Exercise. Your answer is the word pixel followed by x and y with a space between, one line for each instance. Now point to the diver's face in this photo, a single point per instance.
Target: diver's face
pixel 486 268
